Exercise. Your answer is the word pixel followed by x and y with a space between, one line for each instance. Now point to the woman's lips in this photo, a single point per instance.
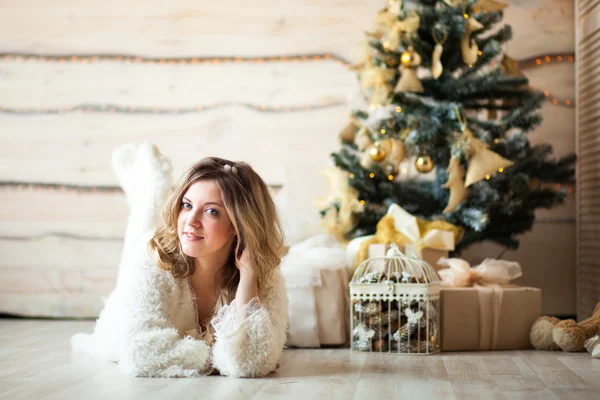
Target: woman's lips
pixel 191 237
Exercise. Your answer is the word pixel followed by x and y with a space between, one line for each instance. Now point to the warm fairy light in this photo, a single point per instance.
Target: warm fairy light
pixel 479 53
pixel 383 131
pixel 172 60
pixel 487 177
pixel 103 108
pixel 391 177
pixel 466 15
pixel 90 59
pixel 500 169
pixel 371 175
pixel 362 202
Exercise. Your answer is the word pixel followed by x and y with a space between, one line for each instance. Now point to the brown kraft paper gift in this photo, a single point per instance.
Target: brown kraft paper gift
pixel 488 318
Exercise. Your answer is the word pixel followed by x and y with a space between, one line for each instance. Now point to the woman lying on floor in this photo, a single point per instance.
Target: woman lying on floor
pixel 200 292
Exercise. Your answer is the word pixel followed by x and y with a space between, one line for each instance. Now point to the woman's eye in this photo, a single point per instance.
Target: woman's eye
pixel 185 205
pixel 212 211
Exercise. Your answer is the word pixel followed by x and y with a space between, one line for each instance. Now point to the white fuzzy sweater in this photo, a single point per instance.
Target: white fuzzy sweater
pixel 148 324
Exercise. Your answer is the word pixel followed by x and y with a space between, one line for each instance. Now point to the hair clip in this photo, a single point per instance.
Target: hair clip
pixel 229 168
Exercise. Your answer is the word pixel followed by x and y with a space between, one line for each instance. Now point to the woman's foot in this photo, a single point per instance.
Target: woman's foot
pixel 144 175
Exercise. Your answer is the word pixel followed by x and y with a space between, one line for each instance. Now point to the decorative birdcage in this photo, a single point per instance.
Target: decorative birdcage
pixel 395 306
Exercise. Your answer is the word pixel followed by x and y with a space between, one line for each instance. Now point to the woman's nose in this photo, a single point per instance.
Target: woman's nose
pixel 194 220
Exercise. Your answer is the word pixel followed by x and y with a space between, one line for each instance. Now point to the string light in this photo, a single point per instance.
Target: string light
pixel 182 61
pixel 37 186
pixel 371 175
pixel 61 187
pixel 391 177
pixel 129 59
pixel 548 58
pixel 539 60
pixel 362 202
pixel 118 109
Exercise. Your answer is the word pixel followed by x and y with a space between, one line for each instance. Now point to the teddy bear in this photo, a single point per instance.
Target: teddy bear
pixel 550 333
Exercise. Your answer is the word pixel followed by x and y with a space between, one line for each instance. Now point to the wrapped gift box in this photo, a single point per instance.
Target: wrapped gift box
pixel 488 318
pixel 431 256
pixel 316 278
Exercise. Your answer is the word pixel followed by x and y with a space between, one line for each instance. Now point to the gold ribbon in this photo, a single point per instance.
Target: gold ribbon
pixel 378 79
pixel 400 227
pixel 391 39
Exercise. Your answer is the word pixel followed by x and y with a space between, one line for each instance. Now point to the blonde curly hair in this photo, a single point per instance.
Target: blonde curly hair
pixel 252 213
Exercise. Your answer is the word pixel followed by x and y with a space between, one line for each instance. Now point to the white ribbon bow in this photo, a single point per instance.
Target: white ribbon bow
pixel 406 223
pixel 460 274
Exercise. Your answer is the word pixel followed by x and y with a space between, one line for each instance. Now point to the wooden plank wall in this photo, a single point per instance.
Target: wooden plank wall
pixel 61 247
pixel 588 148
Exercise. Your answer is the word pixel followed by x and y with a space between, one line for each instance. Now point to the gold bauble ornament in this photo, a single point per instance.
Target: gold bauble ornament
pixel 377 152
pixel 410 58
pixel 366 161
pixel 424 164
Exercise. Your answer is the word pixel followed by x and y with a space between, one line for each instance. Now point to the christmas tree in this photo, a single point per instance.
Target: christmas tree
pixel 443 97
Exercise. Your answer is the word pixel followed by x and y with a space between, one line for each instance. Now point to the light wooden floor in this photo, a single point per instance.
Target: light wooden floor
pixel 36 362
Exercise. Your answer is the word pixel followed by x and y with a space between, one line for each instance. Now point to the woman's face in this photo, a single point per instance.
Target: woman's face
pixel 203 225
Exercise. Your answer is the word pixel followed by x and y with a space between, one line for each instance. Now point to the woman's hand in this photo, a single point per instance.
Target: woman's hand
pixel 244 264
pixel 248 286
